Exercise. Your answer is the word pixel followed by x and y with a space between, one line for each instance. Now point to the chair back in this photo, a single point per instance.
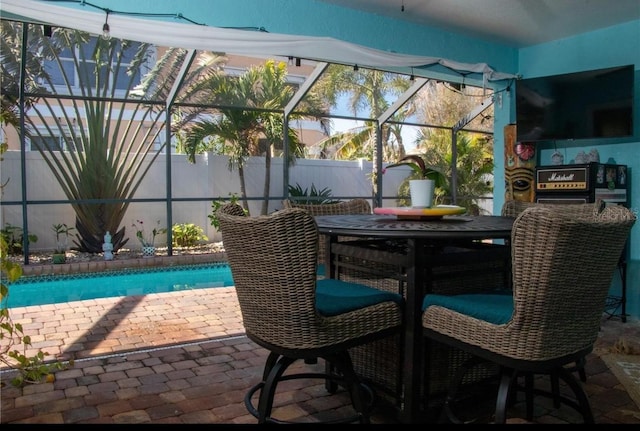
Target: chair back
pixel 562 269
pixel 273 262
pixel 232 209
pixel 354 206
pixel 513 208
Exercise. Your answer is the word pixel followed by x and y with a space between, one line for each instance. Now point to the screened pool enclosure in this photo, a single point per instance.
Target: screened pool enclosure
pixel 102 131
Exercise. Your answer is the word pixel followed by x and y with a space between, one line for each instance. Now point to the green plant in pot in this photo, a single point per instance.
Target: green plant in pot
pixel 62 232
pixel 148 241
pixel 423 182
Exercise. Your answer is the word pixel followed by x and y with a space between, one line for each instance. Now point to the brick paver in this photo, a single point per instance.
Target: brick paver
pixel 143 360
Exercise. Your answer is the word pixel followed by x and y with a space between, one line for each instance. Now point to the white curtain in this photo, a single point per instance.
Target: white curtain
pixel 230 41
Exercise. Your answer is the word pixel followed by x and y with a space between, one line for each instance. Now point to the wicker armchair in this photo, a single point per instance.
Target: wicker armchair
pixel 513 208
pixel 562 270
pixel 354 206
pixel 292 314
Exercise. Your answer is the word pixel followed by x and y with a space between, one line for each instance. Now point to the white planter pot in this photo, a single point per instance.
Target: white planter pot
pixel 422 193
pixel 148 251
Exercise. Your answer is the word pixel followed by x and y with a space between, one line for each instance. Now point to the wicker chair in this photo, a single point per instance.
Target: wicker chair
pixel 513 208
pixel 354 206
pixel 295 316
pixel 562 270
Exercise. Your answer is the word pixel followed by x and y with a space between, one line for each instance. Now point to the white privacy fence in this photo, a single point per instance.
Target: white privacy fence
pixel 208 179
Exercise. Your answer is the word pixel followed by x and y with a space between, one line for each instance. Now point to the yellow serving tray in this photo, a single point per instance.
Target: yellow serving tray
pixel 409 213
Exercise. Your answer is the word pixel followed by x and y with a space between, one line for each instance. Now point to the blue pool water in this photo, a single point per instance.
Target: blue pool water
pixel 66 288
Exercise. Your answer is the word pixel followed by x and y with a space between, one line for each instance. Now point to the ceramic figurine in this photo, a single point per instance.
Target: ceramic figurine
pixel 557 158
pixel 593 156
pixel 107 247
pixel 581 158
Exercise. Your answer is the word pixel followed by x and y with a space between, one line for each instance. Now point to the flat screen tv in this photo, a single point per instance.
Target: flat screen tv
pixel 582 105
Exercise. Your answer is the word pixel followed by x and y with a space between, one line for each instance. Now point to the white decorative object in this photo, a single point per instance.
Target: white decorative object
pixel 422 193
pixel 557 158
pixel 593 156
pixel 581 158
pixel 107 247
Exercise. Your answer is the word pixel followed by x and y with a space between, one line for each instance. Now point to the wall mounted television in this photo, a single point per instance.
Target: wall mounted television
pixel 583 105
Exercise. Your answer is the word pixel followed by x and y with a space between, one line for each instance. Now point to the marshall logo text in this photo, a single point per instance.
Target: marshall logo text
pixel 561 177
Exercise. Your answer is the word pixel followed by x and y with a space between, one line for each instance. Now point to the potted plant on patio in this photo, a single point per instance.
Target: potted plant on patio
pixel 62 242
pixel 423 183
pixel 147 240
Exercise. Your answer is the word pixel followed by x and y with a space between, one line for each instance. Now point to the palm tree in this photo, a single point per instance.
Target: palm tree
pixel 252 109
pixel 365 88
pixel 10 65
pixel 474 167
pixel 474 151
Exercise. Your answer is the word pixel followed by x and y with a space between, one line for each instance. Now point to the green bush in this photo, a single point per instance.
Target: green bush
pixel 14 238
pixel 187 235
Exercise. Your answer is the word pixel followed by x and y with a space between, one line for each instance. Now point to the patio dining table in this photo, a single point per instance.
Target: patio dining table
pixel 418 235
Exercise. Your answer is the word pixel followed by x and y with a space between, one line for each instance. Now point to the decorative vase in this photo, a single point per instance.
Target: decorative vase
pixel 422 193
pixel 148 251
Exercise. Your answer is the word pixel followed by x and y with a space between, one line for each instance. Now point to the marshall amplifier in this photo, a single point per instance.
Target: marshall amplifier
pixel 581 183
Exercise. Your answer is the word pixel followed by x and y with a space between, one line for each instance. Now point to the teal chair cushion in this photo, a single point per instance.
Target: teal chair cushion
pixel 335 297
pixel 495 307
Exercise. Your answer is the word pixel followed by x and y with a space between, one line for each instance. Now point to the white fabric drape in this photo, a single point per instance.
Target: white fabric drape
pixel 231 41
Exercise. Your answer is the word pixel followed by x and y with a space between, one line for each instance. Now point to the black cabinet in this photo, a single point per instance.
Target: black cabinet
pixel 585 183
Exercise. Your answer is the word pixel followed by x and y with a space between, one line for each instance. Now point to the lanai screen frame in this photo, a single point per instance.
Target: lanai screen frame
pixel 386 118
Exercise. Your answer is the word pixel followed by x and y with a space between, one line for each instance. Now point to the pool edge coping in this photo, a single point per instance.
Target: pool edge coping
pixel 119 264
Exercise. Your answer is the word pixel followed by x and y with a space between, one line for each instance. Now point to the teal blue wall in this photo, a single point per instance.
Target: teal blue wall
pixel 613 46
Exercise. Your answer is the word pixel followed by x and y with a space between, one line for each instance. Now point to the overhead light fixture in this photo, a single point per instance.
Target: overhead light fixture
pixel 290 61
pixel 412 77
pixel 355 68
pixel 47 30
pixel 106 31
pixel 298 62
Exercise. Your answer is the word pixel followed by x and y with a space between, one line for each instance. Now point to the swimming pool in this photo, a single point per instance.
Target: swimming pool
pixel 39 290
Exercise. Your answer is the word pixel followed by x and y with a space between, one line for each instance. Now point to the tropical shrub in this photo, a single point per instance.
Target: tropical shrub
pixel 187 235
pixel 313 196
pixel 217 204
pixel 14 238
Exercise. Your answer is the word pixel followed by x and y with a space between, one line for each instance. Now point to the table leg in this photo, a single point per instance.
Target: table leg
pixel 330 266
pixel 330 272
pixel 413 358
